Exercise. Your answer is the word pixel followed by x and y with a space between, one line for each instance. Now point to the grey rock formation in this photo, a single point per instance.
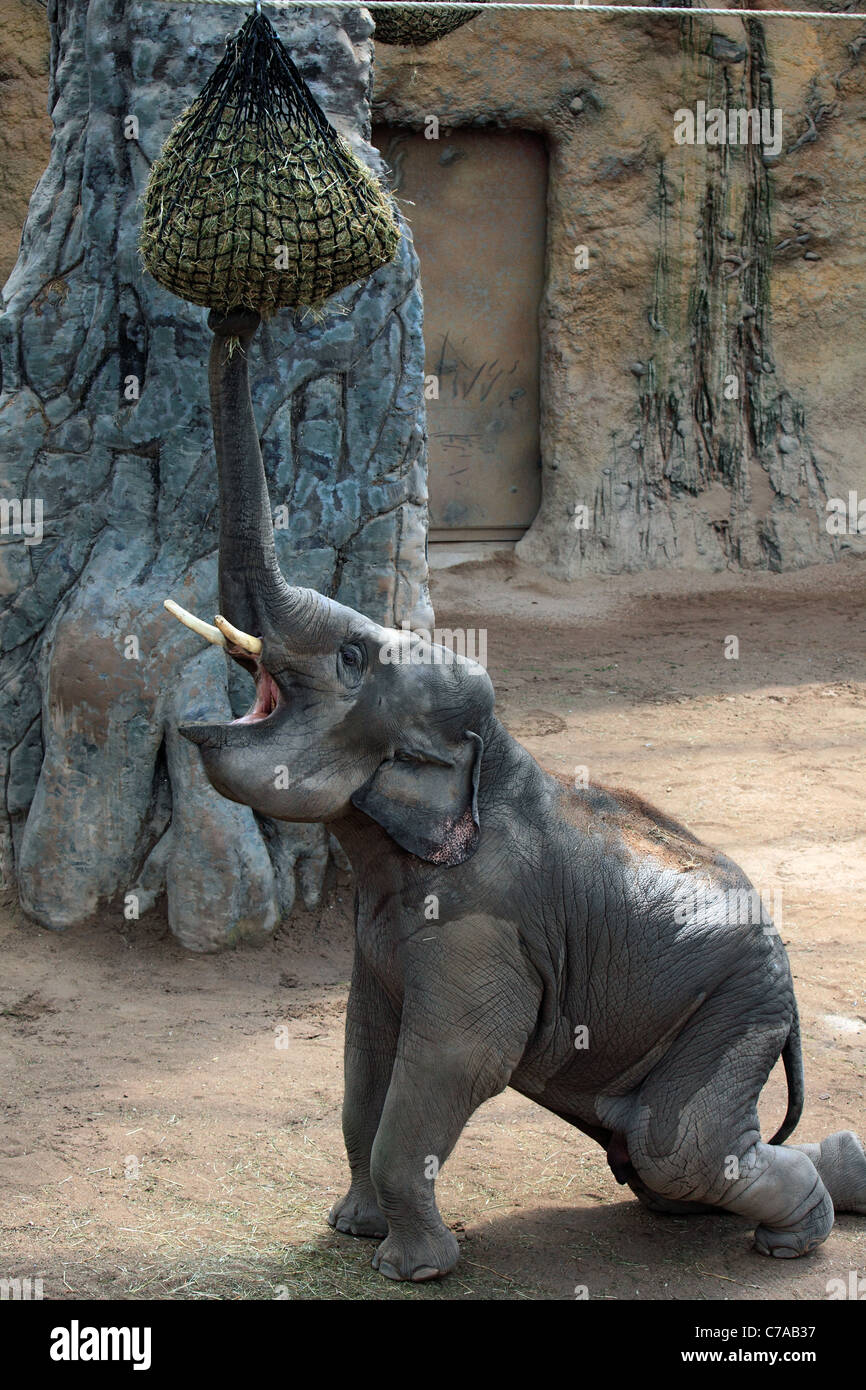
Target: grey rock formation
pixel 104 423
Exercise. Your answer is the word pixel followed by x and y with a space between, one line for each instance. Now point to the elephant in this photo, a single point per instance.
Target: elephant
pixel 511 929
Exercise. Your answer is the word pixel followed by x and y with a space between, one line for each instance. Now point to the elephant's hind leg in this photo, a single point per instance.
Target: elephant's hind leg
pixel 666 1205
pixel 623 1170
pixel 694 1136
pixel 782 1190
pixel 841 1162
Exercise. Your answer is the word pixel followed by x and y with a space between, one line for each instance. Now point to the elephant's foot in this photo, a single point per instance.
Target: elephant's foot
pixel 358 1215
pixel 841 1162
pixel 789 1245
pixel 782 1190
pixel 778 1189
pixel 418 1257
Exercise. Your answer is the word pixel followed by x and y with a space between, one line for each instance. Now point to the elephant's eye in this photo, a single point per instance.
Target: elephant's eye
pixel 351 661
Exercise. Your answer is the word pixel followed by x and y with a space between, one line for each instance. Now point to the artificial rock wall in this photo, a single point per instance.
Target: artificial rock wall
pixel 702 363
pixel 102 802
pixel 25 128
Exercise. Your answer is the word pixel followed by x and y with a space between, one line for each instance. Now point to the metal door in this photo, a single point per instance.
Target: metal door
pixel 476 202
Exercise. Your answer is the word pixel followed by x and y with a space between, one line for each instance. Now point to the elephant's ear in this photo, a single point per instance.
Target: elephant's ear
pixel 428 800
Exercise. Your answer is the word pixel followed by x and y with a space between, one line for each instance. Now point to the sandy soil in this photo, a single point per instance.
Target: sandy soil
pixel 157 1142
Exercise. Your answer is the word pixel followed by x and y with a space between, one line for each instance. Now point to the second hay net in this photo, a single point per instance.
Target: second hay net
pixel 255 199
pixel 397 25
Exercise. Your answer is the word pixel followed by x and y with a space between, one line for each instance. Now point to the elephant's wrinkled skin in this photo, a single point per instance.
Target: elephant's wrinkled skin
pixel 511 929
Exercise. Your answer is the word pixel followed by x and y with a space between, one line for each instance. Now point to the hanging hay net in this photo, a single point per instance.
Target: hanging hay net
pixel 255 200
pixel 401 26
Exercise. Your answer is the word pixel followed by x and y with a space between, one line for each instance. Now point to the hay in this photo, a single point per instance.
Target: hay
pixel 255 200
pixel 415 27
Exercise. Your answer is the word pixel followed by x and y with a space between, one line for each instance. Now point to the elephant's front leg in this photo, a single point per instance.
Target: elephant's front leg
pixel 372 1029
pixel 442 1073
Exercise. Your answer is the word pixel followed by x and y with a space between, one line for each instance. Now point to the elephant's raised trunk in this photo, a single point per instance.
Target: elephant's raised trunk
pixel 254 596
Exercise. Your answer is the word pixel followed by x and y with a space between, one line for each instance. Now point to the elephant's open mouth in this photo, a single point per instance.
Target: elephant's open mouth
pixel 266 701
pixel 247 649
pixel 238 733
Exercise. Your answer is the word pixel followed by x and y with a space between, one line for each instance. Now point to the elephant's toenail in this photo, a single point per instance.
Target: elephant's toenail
pixel 423 1273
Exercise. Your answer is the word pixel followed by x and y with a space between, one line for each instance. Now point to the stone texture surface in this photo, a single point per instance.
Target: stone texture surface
pixel 25 129
pixel 703 264
pixel 101 800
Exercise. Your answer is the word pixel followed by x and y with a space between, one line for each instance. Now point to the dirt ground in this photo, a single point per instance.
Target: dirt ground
pixel 155 1140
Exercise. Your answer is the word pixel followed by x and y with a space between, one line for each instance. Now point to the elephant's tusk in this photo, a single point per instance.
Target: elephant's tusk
pixel 253 645
pixel 211 634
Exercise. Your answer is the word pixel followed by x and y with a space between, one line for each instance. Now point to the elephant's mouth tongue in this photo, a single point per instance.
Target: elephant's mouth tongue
pixel 266 701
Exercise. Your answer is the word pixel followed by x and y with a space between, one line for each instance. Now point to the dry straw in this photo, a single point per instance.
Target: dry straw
pixel 255 199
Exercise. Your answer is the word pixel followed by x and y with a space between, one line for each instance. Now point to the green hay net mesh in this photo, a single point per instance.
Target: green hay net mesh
pixel 255 199
pixel 401 26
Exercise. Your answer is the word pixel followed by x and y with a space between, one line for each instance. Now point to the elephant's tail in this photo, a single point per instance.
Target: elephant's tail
pixel 792 1058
